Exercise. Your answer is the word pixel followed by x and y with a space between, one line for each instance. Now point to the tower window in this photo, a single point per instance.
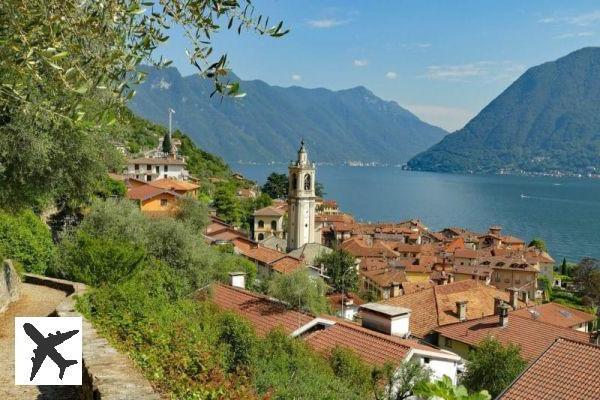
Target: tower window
pixel 307 182
pixel 261 236
pixel 261 223
pixel 274 225
pixel 294 181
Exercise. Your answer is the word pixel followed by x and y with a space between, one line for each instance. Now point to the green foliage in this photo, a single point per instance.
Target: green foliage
pixel 545 121
pixel 538 243
pixel 587 276
pixel 492 367
pixel 228 206
pixel 347 366
pixel 199 162
pixel 444 389
pixel 276 186
pixel 341 269
pixel 300 290
pixel 109 187
pixel 564 267
pixel 26 239
pixel 167 146
pixel 192 212
pixel 397 382
pixel 320 190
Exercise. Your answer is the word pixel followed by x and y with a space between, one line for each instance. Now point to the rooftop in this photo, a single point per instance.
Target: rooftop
pixel 146 192
pixel 567 370
pixel 533 337
pixel 556 314
pixel 385 309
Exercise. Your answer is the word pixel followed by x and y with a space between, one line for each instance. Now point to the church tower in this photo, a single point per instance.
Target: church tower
pixel 301 201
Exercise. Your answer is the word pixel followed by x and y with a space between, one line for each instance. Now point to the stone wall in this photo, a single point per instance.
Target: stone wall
pixel 107 374
pixel 9 284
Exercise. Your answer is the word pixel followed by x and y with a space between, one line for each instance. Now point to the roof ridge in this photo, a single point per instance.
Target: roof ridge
pixel 542 322
pixel 382 336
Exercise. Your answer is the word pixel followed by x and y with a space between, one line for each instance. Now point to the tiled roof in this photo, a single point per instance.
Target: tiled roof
pixel 174 184
pixel 358 248
pixel 263 313
pixel 384 277
pixel 480 270
pixel 465 253
pixel 146 192
pixel 269 211
pixel 533 337
pixel 413 287
pixel 436 306
pixel 279 261
pixel 567 370
pixel 512 240
pixel 556 314
pixel 286 265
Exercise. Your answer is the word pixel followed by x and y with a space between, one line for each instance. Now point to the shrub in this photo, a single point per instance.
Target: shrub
pixel 26 239
pixel 300 290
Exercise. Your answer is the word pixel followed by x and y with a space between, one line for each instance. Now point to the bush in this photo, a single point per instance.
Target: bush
pixel 300 290
pixel 26 239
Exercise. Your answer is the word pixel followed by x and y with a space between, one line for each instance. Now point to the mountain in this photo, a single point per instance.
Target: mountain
pixel 269 122
pixel 547 120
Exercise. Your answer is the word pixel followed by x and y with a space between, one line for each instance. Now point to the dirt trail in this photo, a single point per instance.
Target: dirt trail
pixel 35 301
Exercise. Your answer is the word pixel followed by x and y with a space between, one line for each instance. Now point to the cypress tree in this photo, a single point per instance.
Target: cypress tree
pixel 563 267
pixel 166 145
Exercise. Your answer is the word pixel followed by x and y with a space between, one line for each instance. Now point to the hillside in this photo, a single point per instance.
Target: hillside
pixel 547 120
pixel 268 123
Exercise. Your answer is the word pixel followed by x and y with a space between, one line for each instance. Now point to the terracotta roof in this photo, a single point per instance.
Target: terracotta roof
pixel 269 211
pixel 465 253
pixel 358 248
pixel 335 299
pixel 480 270
pixel 413 287
pixel 373 263
pixel 146 192
pixel 535 255
pixel 264 314
pixel 567 370
pixel 512 240
pixel 436 306
pixel 346 218
pixel 286 265
pixel 173 184
pixel 279 261
pixel 157 161
pixel 556 314
pixel 533 337
pixel 384 277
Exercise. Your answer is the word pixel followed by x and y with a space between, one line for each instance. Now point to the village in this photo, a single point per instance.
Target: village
pixel 422 295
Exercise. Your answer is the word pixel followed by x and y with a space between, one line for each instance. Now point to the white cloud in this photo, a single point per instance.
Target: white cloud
pixel 584 19
pixel 570 35
pixel 415 45
pixel 360 63
pixel 488 70
pixel 449 118
pixel 296 77
pixel 326 23
pixel 162 84
pixel 391 75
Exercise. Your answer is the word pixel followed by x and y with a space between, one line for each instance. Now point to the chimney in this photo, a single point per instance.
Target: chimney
pixel 525 296
pixel 386 319
pixel 395 289
pixel 237 279
pixel 514 292
pixel 504 314
pixel 461 310
pixel 495 230
pixel 450 278
pixel 497 303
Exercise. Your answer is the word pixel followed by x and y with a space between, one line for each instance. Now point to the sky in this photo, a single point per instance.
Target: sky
pixel 442 60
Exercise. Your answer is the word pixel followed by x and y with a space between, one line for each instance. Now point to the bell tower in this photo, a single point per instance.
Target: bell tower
pixel 301 201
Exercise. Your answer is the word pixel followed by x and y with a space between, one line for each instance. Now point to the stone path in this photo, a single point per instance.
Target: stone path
pixel 35 301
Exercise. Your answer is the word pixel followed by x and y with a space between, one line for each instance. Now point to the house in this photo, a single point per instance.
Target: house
pixel 345 305
pixel 325 333
pixel 149 169
pixel 270 261
pixel 510 272
pixel 465 256
pixel 268 221
pixel 154 201
pixel 439 305
pixel 541 258
pixel 567 370
pixel 532 336
pixel 328 207
pixel 383 283
pixel 481 273
pixel 559 315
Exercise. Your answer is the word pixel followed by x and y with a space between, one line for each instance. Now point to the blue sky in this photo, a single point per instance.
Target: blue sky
pixel 442 60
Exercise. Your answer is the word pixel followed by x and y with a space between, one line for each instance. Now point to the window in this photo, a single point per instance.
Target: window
pixel 148 167
pixel 166 168
pixel 137 167
pixel 274 225
pixel 307 182
pixel 157 168
pixel 294 181
pixel 164 202
pixel 261 223
pixel 448 342
pixel 426 360
pixel 148 178
pixel 261 236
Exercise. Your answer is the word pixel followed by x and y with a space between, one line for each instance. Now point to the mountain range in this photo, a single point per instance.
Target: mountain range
pixel 269 122
pixel 548 120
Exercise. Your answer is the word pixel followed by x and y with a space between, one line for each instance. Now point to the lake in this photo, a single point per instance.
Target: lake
pixel 565 212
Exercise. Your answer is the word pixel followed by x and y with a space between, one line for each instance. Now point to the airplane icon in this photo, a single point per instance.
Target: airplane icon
pixel 46 347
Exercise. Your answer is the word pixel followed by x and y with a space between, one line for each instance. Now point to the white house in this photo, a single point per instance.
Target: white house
pixel 149 169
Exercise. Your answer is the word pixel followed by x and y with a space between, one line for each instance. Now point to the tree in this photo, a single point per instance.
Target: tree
pixel 587 276
pixel 396 382
pixel 67 68
pixel 564 267
pixel 492 366
pixel 227 204
pixel 539 244
pixel 167 146
pixel 300 290
pixel 340 267
pixel 444 389
pixel 320 190
pixel 193 212
pixel 276 186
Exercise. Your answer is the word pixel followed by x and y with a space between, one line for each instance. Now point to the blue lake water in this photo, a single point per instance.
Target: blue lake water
pixel 565 212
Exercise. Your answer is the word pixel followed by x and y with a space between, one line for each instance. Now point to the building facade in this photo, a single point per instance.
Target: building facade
pixel 301 201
